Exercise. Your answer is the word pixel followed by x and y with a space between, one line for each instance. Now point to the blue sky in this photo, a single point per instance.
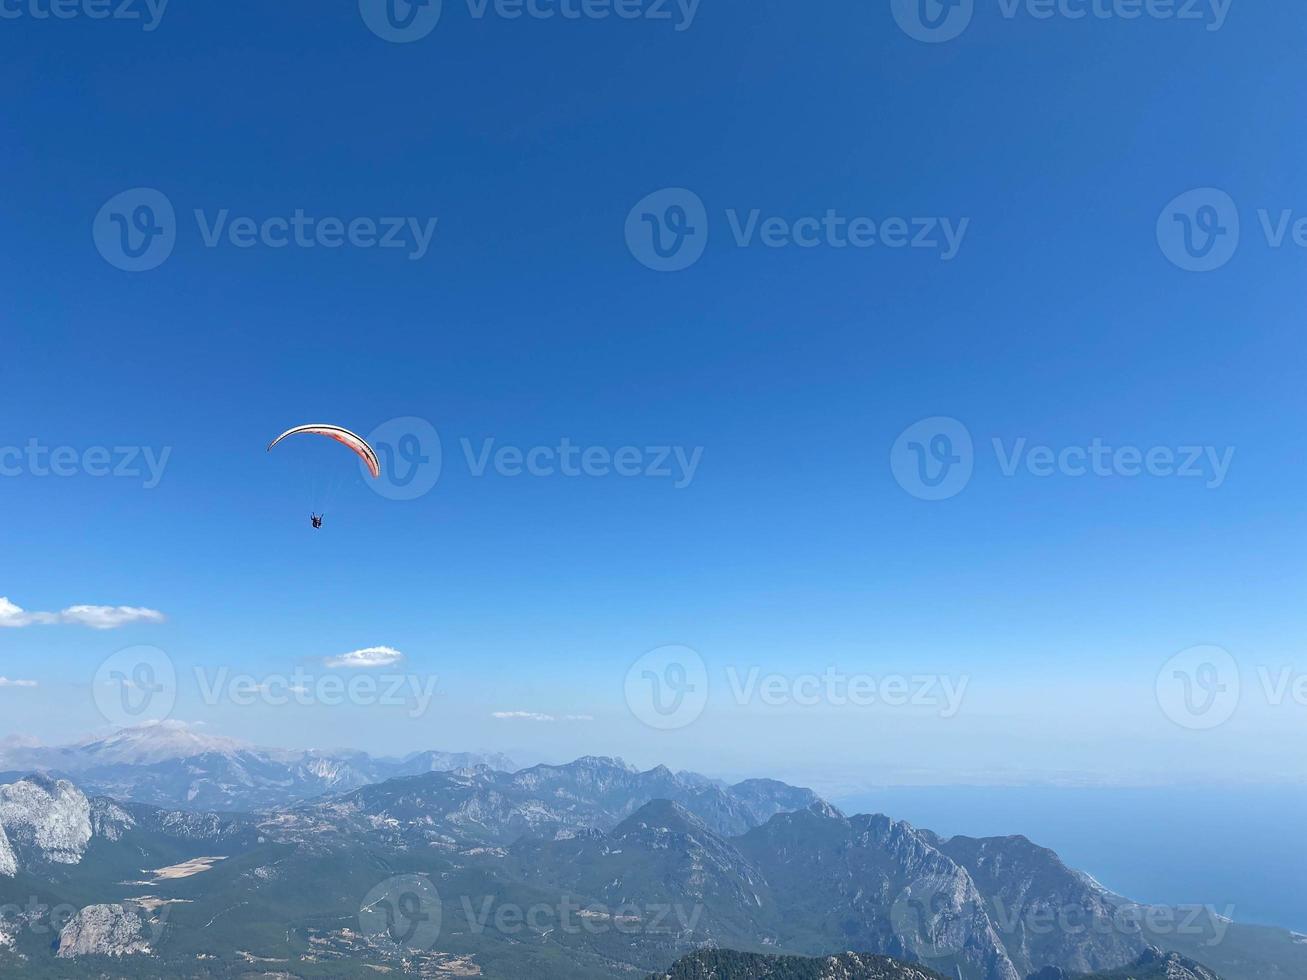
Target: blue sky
pixel 530 319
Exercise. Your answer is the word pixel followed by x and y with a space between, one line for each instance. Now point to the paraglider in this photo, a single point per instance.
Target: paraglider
pixel 351 440
pixel 354 441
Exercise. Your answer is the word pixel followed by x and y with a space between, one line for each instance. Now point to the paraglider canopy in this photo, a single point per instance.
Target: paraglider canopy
pixel 350 439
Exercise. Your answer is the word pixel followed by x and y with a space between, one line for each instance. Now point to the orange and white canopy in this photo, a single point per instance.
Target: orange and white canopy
pixel 346 438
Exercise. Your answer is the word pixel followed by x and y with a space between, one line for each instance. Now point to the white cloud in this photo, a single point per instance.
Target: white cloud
pixel 367 657
pixel 96 617
pixel 6 682
pixel 536 716
pixel 12 615
pixel 109 617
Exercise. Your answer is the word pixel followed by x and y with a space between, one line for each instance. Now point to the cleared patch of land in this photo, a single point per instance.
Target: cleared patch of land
pixel 186 869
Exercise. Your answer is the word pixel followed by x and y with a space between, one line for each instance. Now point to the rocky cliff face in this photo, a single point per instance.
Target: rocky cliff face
pixel 8 859
pixel 104 930
pixel 876 884
pixel 46 821
pixel 42 820
pixel 1046 913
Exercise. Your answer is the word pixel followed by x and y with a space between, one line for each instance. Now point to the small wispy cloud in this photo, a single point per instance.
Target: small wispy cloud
pixel 6 682
pixel 96 617
pixel 367 657
pixel 537 716
pixel 109 617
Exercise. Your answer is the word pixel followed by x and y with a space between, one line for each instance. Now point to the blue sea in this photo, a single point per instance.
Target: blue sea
pixel 1232 846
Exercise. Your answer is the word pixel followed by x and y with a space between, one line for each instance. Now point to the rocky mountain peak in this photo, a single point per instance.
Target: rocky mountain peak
pixel 104 930
pixel 157 742
pixel 660 817
pixel 46 819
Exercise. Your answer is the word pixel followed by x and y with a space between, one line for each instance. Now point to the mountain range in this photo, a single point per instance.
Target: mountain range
pixel 586 871
pixel 168 764
pixel 730 965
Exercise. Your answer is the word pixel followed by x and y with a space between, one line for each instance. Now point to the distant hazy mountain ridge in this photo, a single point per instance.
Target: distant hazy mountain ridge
pixel 172 765
pixel 481 805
